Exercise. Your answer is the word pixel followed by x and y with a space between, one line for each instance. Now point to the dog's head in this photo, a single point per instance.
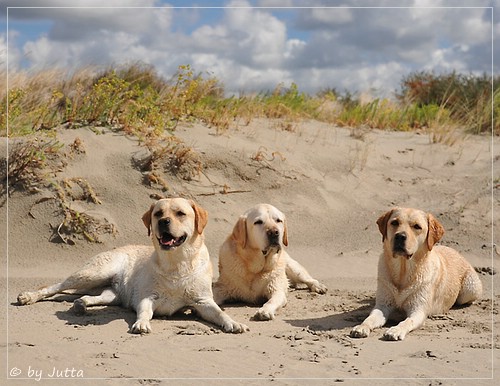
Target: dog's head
pixel 408 232
pixel 173 221
pixel 262 227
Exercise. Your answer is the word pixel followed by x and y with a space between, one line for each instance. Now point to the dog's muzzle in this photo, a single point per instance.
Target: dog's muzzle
pixel 167 240
pixel 273 249
pixel 399 247
pixel 273 237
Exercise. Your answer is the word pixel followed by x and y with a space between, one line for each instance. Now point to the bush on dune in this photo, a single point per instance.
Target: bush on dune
pixel 135 99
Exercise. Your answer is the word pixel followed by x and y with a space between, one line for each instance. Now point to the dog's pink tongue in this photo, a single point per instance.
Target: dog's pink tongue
pixel 169 242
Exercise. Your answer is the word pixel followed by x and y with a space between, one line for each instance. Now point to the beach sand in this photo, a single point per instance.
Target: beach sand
pixel 332 183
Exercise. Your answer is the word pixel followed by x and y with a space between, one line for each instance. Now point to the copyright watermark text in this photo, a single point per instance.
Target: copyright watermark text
pixel 38 374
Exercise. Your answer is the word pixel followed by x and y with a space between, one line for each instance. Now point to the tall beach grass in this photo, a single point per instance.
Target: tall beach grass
pixel 135 99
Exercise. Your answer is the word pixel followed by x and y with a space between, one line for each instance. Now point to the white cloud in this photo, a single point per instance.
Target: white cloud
pixel 260 37
pixel 417 38
pixel 99 36
pixel 292 47
pixel 447 59
pixel 254 49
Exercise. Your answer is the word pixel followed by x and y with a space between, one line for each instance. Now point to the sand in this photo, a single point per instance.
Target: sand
pixel 332 183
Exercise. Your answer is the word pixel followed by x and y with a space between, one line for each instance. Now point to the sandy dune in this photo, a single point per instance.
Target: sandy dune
pixel 332 186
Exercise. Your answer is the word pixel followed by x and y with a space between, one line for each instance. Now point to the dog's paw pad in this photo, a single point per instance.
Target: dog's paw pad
pixel 359 332
pixel 79 307
pixel 394 333
pixel 236 328
pixel 319 288
pixel 141 327
pixel 263 315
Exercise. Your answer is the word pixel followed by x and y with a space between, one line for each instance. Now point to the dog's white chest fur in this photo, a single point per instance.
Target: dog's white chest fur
pixel 181 287
pixel 168 306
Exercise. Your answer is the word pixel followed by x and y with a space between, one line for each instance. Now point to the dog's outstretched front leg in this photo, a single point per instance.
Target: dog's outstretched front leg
pixel 268 310
pixel 211 312
pixel 413 321
pixel 377 318
pixel 297 274
pixel 144 315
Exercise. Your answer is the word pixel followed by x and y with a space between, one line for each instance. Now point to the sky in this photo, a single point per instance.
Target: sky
pixel 252 46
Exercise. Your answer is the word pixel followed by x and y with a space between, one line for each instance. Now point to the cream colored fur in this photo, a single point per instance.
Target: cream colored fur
pixel 415 275
pixel 156 280
pixel 254 266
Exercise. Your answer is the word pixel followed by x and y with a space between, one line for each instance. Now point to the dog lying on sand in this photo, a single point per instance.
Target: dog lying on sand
pixel 415 275
pixel 254 266
pixel 174 273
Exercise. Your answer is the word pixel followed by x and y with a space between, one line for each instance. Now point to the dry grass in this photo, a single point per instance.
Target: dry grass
pixel 30 161
pixel 135 99
pixel 79 189
pixel 34 163
pixel 169 153
pixel 77 223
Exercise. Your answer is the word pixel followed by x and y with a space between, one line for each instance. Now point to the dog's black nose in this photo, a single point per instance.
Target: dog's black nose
pixel 273 235
pixel 273 232
pixel 163 224
pixel 400 238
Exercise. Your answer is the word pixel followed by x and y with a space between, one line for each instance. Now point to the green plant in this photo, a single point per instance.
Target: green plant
pixel 133 98
pixel 288 102
pixel 466 97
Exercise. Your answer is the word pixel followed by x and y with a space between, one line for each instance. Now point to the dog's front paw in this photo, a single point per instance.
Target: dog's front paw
pixel 318 288
pixel 26 298
pixel 263 314
pixel 141 327
pixel 360 331
pixel 395 333
pixel 235 327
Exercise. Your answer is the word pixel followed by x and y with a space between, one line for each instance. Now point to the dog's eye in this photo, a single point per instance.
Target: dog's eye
pixel 279 220
pixel 158 214
pixel 258 222
pixel 417 227
pixel 395 223
pixel 180 213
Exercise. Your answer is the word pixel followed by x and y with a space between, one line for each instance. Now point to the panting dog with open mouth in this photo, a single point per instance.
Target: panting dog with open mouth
pixel 160 280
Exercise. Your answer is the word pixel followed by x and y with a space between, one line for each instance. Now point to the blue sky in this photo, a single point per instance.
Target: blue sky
pixel 251 46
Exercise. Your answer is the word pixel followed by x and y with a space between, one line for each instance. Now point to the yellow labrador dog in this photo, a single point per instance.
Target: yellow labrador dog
pixel 415 275
pixel 175 273
pixel 254 266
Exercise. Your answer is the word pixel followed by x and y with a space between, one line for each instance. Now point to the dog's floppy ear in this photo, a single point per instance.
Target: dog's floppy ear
pixel 240 231
pixel 146 218
pixel 382 223
pixel 200 217
pixel 436 231
pixel 285 233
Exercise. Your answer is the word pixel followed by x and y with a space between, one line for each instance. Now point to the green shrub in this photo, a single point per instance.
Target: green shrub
pixel 467 98
pixel 135 99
